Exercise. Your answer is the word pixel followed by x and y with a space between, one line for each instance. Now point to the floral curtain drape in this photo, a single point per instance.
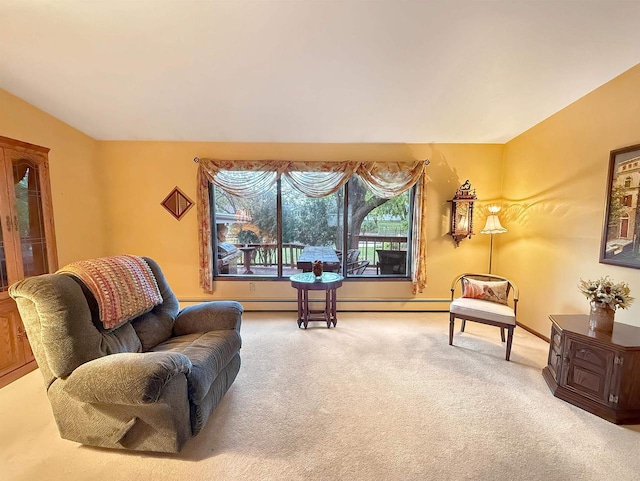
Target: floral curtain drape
pixel 419 245
pixel 313 179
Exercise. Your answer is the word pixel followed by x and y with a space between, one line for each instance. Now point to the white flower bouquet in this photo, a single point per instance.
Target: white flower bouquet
pixel 604 291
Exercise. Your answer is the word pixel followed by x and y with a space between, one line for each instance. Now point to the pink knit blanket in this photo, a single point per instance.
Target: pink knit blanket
pixel 123 286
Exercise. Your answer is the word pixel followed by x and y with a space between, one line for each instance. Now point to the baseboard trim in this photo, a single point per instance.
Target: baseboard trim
pixel 533 331
pixel 18 373
pixel 344 305
pixel 295 301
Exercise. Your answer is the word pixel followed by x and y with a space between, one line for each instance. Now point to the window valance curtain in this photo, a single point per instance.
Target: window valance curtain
pixel 250 178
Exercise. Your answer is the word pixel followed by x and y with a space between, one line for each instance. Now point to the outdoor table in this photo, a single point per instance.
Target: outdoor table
pixel 325 254
pixel 248 252
pixel 307 281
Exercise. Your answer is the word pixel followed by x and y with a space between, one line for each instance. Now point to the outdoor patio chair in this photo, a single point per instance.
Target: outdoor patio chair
pixel 358 268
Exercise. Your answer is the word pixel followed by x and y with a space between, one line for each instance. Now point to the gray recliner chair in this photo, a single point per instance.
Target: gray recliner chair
pixel 149 385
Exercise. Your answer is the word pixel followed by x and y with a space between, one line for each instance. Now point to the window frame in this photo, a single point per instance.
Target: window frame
pixel 279 228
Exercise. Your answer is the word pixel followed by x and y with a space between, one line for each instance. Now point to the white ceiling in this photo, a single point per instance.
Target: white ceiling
pixel 312 70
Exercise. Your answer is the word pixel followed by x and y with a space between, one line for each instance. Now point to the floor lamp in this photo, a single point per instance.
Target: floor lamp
pixel 493 226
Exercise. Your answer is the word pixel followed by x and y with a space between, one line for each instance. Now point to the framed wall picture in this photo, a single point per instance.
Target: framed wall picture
pixel 620 244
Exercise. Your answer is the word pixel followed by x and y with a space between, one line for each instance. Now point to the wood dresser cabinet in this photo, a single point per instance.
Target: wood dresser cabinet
pixel 27 243
pixel 595 371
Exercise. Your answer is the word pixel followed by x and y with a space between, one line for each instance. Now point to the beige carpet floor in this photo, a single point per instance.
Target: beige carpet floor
pixel 381 397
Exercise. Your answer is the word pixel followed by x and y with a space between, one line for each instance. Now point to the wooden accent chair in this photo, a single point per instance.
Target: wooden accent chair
pixel 484 299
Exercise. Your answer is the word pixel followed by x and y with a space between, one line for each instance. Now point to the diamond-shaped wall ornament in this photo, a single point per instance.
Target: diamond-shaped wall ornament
pixel 177 203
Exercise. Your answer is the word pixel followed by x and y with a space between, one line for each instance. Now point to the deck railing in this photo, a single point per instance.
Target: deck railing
pixel 266 254
pixel 368 244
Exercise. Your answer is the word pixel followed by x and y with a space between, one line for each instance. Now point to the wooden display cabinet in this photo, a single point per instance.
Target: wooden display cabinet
pixel 597 372
pixel 27 243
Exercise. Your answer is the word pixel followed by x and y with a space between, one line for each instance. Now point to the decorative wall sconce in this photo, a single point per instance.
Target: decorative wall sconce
pixel 462 213
pixel 177 203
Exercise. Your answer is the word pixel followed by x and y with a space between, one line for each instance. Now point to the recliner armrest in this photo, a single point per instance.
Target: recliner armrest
pixel 209 316
pixel 126 378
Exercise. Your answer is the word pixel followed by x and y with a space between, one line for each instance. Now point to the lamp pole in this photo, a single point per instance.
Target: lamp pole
pixel 491 227
pixel 490 251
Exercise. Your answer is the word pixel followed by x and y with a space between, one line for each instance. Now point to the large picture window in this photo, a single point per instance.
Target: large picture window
pixel 266 235
pixel 273 218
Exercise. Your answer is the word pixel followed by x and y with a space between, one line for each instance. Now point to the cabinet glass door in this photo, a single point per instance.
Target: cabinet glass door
pixel 30 217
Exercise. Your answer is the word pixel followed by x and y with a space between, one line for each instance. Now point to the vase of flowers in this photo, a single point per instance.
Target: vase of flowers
pixel 317 269
pixel 605 297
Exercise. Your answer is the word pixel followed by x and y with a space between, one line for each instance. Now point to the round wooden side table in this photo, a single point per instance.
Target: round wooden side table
pixel 307 281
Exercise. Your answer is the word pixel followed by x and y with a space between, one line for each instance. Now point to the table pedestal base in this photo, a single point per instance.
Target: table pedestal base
pixel 306 314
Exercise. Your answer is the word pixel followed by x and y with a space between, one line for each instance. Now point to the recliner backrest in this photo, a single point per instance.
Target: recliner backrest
pixel 59 324
pixel 61 319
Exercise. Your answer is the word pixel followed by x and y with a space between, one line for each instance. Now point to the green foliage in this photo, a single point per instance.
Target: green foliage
pixel 369 225
pixel 305 220
pixel 389 218
pixel 395 207
pixel 263 216
pixel 248 237
pixel 317 221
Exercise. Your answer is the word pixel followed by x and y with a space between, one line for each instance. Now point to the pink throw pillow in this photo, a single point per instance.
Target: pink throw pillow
pixel 494 291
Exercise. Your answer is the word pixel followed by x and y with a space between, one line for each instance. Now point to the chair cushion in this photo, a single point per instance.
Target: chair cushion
pixel 209 353
pixel 492 311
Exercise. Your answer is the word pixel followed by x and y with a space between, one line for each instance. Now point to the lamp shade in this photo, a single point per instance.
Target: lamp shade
pixel 493 225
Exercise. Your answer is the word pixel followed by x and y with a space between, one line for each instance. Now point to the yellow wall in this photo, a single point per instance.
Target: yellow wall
pixel 138 176
pixel 75 178
pixel 555 187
